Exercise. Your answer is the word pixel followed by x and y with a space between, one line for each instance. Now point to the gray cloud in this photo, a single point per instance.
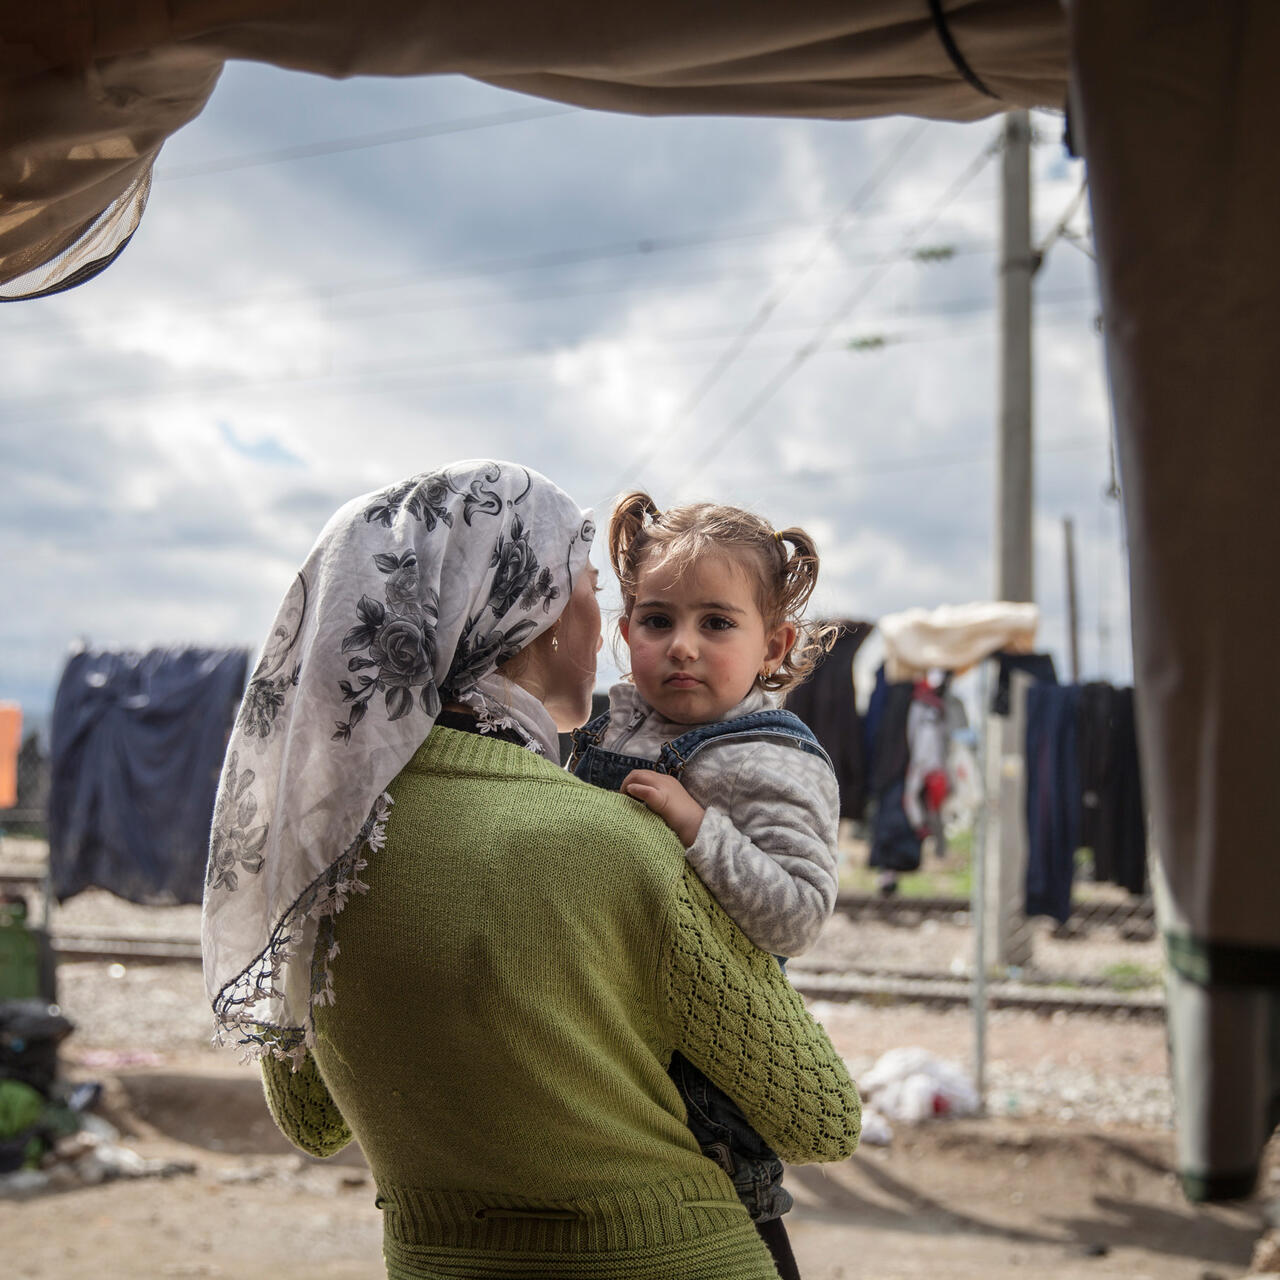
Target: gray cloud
pixel 280 338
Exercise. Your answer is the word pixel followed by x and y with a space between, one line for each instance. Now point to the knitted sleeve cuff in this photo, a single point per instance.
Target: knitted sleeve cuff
pixel 302 1108
pixel 736 1017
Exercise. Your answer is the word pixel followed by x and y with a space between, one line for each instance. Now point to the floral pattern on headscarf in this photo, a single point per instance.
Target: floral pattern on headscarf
pixel 413 596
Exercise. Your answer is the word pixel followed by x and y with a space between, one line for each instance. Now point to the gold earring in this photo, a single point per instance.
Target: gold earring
pixel 555 642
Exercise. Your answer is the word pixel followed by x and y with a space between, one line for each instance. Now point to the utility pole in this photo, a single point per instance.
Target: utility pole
pixel 1006 943
pixel 1073 617
pixel 1014 480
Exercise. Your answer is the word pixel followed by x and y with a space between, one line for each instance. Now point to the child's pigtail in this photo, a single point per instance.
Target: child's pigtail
pixel 799 578
pixel 626 526
pixel 800 570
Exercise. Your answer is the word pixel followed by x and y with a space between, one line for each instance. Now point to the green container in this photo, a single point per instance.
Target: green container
pixel 26 957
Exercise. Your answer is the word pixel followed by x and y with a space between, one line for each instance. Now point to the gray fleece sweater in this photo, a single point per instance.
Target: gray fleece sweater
pixel 767 846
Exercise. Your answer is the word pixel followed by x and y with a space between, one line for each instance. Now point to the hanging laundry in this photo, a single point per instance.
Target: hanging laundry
pixel 10 741
pixel 926 784
pixel 826 702
pixel 895 843
pixel 953 637
pixel 1039 666
pixel 136 747
pixel 1053 799
pixel 1113 820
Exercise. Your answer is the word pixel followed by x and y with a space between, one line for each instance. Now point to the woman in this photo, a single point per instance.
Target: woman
pixel 446 946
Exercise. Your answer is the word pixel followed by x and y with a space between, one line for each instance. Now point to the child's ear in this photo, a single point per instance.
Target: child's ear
pixel 624 626
pixel 780 643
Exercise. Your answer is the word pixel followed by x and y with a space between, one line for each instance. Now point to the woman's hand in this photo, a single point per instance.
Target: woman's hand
pixel 666 797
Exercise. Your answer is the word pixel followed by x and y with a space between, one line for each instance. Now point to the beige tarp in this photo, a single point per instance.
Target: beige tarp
pixel 90 89
pixel 953 637
pixel 1175 105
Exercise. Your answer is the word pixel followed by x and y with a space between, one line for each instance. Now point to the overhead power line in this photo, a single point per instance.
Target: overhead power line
pixel 804 353
pixel 361 142
pixel 464 367
pixel 776 297
pixel 452 301
pixel 925 462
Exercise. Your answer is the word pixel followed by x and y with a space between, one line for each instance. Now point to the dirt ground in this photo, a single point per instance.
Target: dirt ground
pixel 993 1198
pixel 1069 1176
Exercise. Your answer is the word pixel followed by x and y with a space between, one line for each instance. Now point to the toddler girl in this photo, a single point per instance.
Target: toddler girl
pixel 711 612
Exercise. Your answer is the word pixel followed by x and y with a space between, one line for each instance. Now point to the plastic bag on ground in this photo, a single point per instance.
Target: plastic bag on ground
pixel 913 1085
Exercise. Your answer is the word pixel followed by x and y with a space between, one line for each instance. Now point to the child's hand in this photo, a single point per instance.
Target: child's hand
pixel 668 799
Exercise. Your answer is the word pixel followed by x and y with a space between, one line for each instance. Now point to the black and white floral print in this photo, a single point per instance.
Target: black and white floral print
pixel 412 595
pixel 424 498
pixel 276 673
pixel 237 842
pixel 394 647
pixel 541 589
pixel 516 568
pixel 480 651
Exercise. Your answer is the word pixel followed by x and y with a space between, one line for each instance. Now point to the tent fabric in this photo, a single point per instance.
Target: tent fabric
pixel 953 637
pixel 1174 106
pixel 827 703
pixel 1225 1044
pixel 1190 265
pixel 90 90
pixel 136 746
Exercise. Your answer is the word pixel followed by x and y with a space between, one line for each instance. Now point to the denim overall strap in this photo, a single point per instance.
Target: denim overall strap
pixel 774 724
pixel 588 736
pixel 608 769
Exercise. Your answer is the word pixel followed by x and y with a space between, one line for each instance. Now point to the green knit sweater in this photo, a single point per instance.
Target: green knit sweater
pixel 509 993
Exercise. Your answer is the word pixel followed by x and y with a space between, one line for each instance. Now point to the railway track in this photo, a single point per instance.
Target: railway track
pixel 840 986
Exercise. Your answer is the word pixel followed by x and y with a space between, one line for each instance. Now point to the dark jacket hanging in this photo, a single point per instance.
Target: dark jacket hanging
pixel 826 702
pixel 136 745
pixel 895 844
pixel 1113 822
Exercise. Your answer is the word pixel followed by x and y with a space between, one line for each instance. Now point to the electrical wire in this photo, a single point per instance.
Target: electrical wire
pixel 454 301
pixel 423 369
pixel 1061 228
pixel 770 304
pixel 458 370
pixel 361 142
pixel 805 352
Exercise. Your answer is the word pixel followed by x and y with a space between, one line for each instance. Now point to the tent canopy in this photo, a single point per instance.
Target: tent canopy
pixel 1175 108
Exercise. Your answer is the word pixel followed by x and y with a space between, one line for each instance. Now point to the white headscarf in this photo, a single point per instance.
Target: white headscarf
pixel 410 597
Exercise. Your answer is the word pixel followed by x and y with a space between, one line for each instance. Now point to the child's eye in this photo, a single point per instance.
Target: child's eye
pixel 718 623
pixel 655 622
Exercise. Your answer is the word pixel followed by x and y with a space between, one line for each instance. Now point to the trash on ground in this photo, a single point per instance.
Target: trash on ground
pixel 913 1085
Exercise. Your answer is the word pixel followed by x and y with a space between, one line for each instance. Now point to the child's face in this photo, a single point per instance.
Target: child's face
pixel 698 639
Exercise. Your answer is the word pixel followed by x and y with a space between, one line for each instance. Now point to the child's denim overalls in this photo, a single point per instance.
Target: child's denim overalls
pixel 722 1131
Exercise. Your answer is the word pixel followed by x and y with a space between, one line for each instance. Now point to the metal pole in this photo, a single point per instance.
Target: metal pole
pixel 978 900
pixel 1073 619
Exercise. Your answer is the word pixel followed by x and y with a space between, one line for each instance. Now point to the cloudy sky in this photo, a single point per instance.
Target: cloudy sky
pixel 339 284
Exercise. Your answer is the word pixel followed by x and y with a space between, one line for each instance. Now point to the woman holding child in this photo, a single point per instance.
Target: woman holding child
pixel 477 964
